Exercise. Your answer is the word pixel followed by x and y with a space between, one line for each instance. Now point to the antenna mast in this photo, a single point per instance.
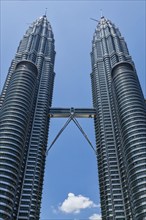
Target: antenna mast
pixel 46 11
pixel 101 13
pixel 94 19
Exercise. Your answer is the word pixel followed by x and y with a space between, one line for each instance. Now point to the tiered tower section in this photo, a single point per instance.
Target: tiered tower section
pixel 120 125
pixel 24 106
pixel 132 124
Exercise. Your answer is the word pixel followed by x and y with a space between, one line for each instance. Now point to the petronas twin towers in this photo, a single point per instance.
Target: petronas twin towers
pixel 120 125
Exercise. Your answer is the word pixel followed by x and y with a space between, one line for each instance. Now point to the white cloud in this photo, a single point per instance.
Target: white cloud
pixel 95 217
pixel 74 204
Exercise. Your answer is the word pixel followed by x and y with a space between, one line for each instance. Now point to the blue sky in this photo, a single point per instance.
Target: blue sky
pixel 71 180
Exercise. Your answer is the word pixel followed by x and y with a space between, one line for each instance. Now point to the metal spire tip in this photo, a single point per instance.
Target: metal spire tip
pixel 101 13
pixel 46 11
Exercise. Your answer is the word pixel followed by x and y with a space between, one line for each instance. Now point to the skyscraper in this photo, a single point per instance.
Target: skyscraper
pixel 24 105
pixel 120 126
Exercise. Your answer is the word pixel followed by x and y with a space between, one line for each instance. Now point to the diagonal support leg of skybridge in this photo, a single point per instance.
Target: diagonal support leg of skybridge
pixel 71 114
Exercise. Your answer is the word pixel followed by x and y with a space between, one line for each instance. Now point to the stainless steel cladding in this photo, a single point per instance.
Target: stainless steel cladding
pixel 24 106
pixel 14 120
pixel 120 125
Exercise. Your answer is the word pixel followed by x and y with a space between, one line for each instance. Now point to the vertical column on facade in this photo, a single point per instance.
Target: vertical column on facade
pixel 29 207
pixel 109 178
pixel 132 117
pixel 14 120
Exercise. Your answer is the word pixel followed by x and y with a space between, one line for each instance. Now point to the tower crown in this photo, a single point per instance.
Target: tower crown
pixel 107 41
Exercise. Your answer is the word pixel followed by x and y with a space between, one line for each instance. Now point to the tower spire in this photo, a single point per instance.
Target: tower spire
pixel 101 13
pixel 46 11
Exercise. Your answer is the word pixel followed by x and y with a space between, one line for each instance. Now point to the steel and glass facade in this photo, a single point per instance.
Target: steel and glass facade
pixel 120 126
pixel 24 105
pixel 119 112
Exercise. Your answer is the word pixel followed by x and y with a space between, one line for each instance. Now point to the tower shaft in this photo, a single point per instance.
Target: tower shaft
pixel 116 109
pixel 34 99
